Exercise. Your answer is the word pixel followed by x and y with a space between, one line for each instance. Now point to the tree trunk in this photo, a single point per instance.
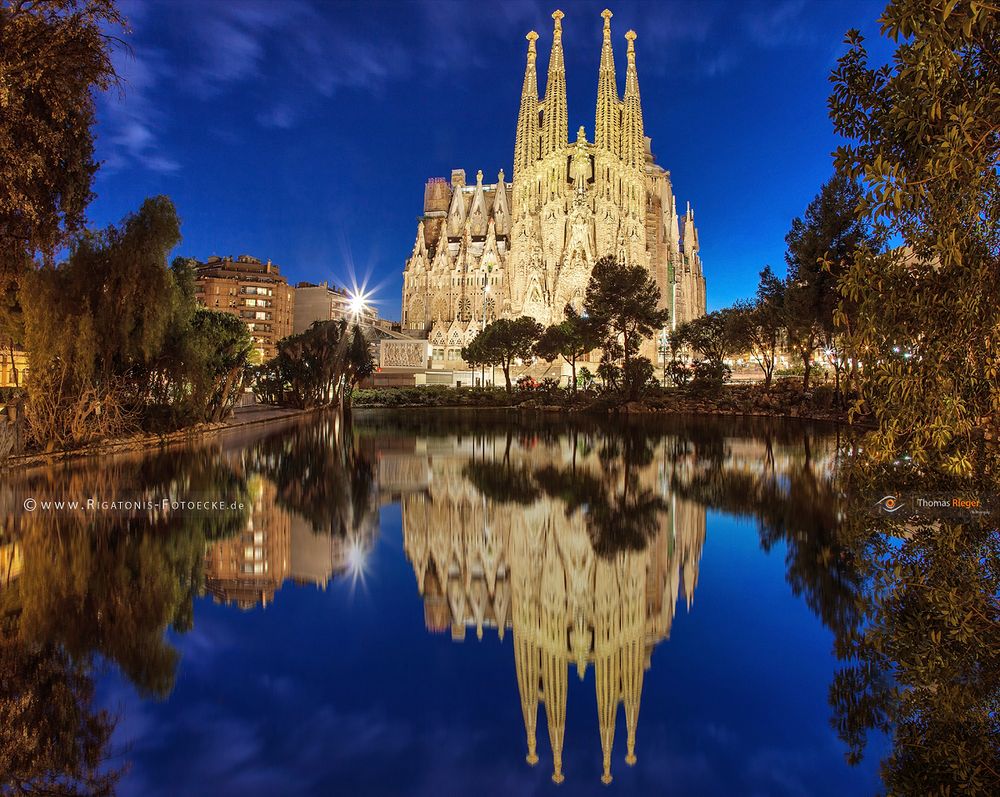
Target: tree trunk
pixel 572 365
pixel 806 367
pixel 769 358
pixel 506 374
pixel 13 364
pixel 227 387
pixel 347 401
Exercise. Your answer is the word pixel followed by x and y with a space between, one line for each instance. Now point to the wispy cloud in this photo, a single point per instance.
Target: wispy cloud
pixel 289 53
pixel 283 58
pixel 131 116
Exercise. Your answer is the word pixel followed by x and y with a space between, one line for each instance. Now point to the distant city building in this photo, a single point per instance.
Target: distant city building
pixel 527 247
pixel 254 291
pixel 11 362
pixel 325 302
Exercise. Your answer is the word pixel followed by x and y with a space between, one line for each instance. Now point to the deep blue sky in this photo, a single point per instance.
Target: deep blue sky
pixel 304 131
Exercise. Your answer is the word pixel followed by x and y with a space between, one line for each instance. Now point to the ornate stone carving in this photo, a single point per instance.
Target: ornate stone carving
pixel 403 354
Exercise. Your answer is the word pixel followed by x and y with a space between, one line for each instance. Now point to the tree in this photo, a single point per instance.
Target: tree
pixel 821 246
pixel 309 369
pixel 622 304
pixel 95 327
pixel 359 361
pixel 570 339
pixel 758 326
pixel 11 321
pixel 923 135
pixel 54 56
pixel 713 335
pixel 503 341
pixel 223 346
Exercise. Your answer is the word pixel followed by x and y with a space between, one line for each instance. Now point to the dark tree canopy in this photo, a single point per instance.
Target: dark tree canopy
pixel 220 350
pixel 503 341
pixel 923 136
pixel 96 326
pixel 54 56
pixel 821 247
pixel 316 368
pixel 713 336
pixel 623 303
pixel 570 339
pixel 758 325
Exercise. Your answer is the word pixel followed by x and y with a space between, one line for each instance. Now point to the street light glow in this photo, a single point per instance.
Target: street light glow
pixel 357 303
pixel 357 563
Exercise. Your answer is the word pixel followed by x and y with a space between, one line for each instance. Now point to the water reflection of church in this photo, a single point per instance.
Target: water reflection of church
pixel 531 567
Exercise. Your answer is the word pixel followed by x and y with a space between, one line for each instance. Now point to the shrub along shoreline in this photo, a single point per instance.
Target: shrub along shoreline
pixel 785 399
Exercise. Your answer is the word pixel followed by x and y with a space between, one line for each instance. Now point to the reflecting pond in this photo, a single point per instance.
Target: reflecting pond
pixel 450 603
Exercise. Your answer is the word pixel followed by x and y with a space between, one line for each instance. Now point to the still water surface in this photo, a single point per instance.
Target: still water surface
pixel 439 603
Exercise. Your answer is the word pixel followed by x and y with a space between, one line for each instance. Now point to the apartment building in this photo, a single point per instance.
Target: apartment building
pixel 254 291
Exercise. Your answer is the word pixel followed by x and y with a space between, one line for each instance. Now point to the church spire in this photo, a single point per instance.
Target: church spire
pixel 555 117
pixel 526 140
pixel 633 137
pixel 607 125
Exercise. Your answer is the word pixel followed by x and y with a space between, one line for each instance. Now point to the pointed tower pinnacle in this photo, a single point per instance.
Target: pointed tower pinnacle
pixel 526 140
pixel 633 137
pixel 419 245
pixel 607 125
pixel 555 119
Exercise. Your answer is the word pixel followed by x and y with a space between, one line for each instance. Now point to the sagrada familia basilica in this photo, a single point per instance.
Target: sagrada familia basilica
pixel 527 247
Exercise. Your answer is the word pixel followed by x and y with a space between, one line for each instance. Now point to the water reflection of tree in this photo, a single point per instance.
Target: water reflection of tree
pixel 113 582
pixel 52 740
pixel 914 605
pixel 98 585
pixel 619 513
pixel 922 662
pixel 320 474
pixel 795 503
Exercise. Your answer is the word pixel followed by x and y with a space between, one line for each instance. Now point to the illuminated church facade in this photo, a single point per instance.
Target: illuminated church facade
pixel 503 249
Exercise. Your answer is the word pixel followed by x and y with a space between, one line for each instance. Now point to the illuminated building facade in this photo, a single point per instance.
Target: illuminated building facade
pixel 527 247
pixel 325 302
pixel 253 291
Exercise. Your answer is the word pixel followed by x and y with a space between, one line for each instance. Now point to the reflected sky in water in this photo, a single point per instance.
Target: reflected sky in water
pixel 440 604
